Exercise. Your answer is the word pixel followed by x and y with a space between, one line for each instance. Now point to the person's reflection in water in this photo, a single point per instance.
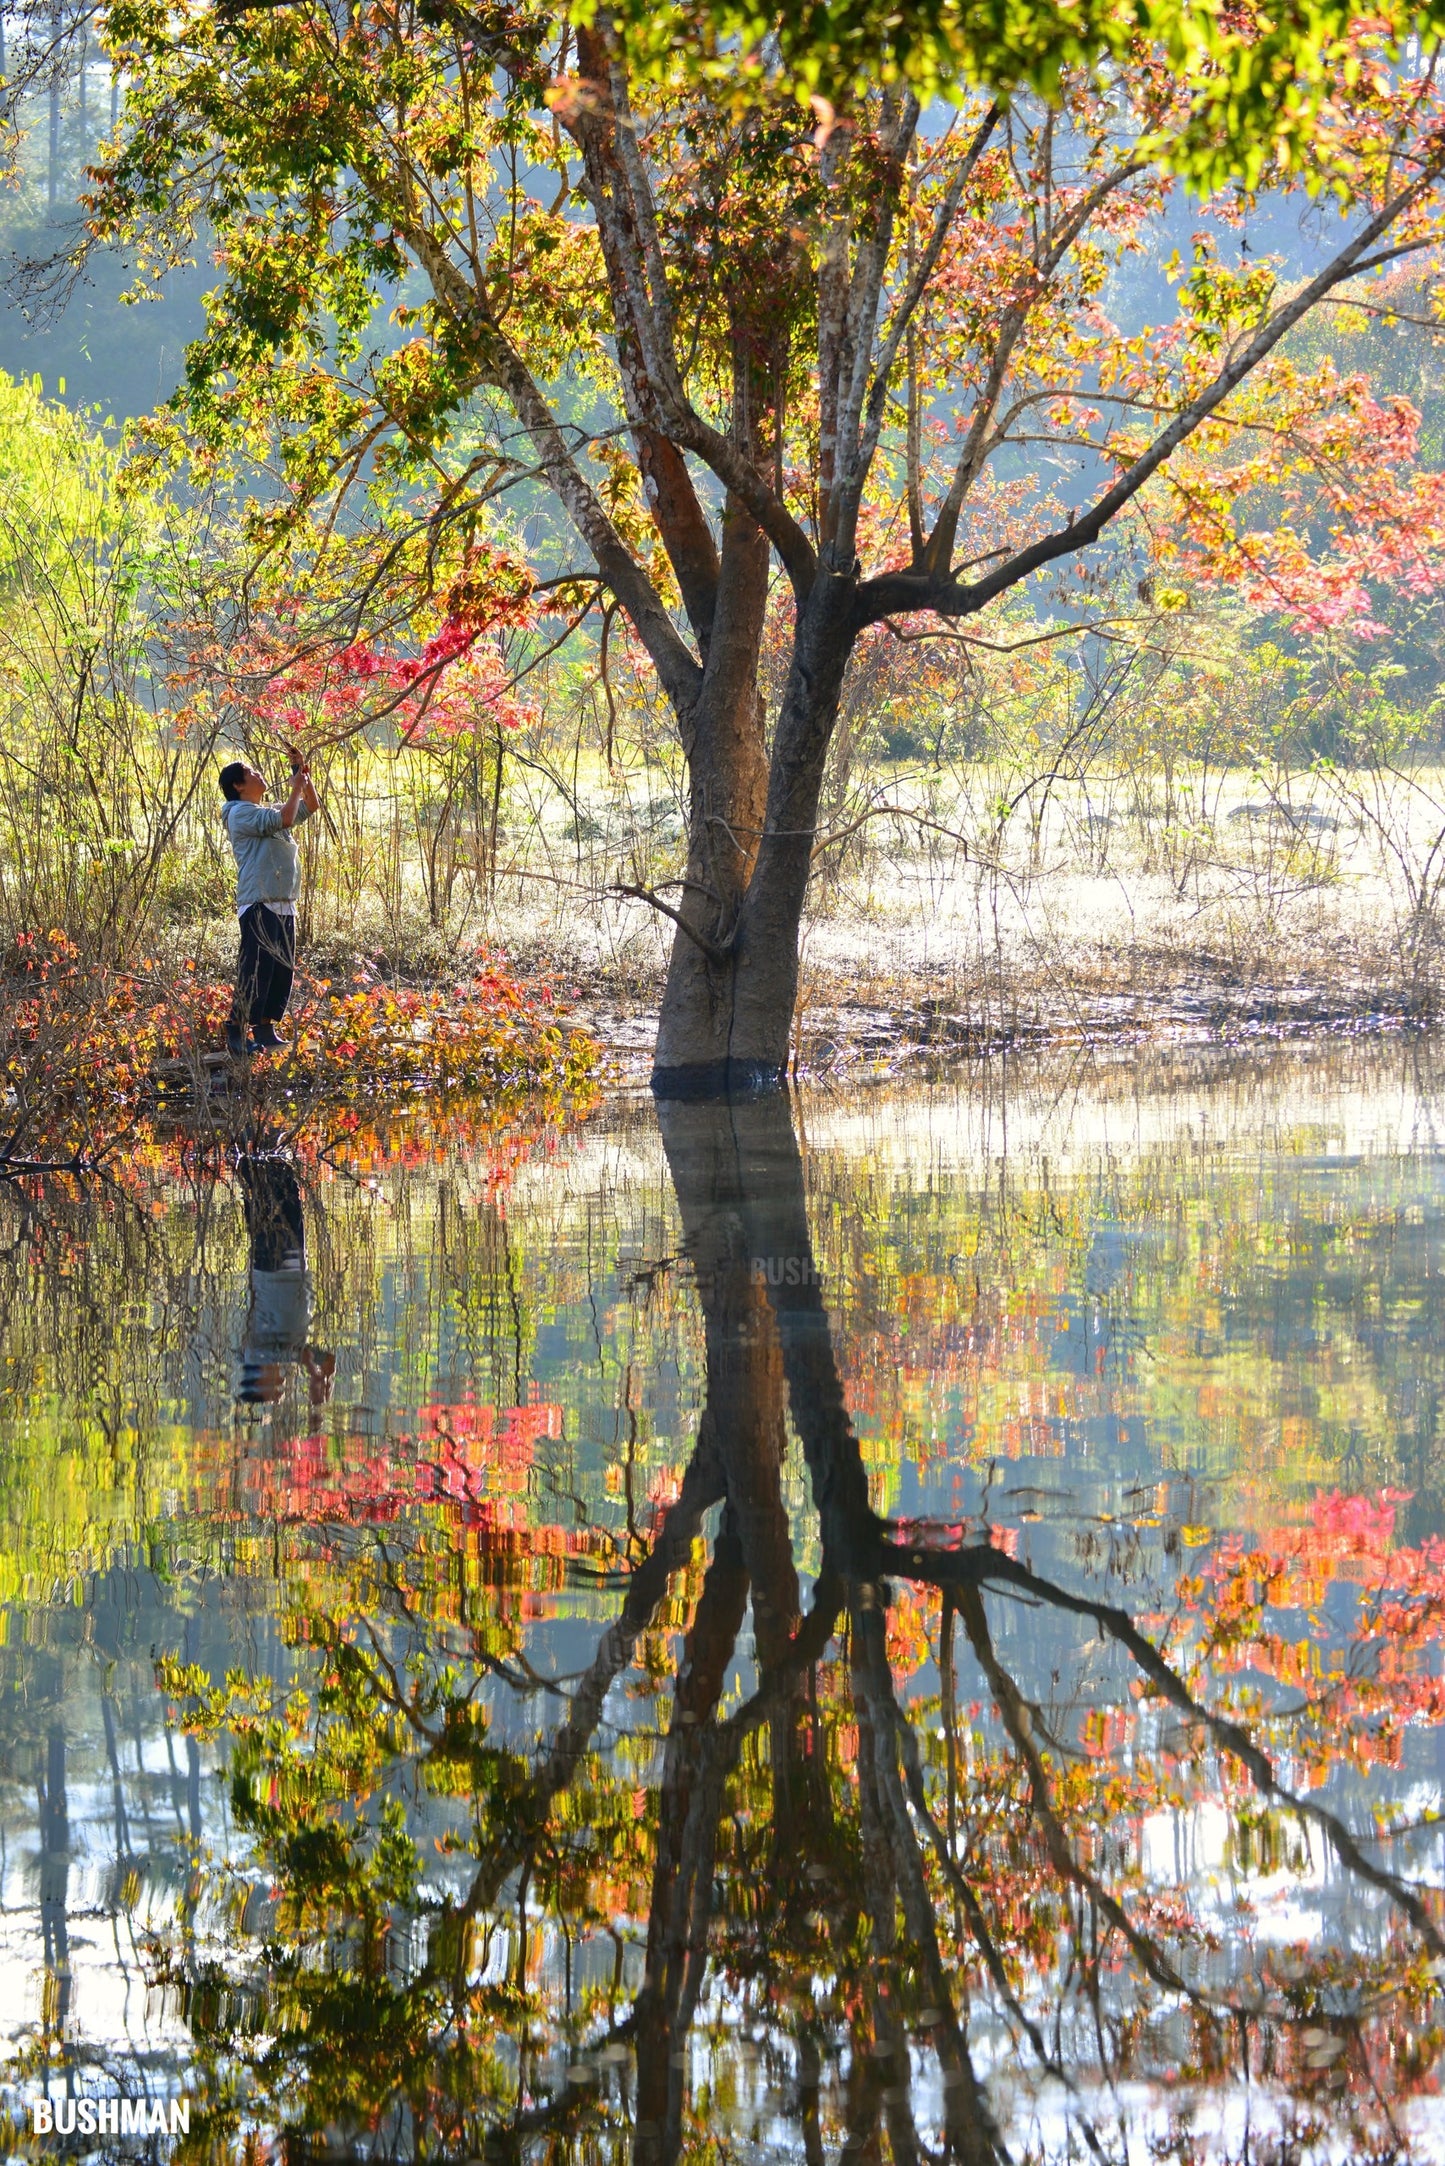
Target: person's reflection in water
pixel 278 1320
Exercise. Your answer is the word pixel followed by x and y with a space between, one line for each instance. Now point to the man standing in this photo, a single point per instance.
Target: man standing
pixel 268 881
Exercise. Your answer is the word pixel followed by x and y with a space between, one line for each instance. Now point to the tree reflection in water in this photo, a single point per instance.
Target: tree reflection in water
pixel 877 1886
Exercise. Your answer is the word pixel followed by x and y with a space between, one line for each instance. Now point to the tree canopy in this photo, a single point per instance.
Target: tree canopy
pixel 1259 78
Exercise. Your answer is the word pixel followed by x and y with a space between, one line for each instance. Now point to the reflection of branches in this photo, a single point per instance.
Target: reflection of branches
pixel 972 2135
pixel 1014 1712
pixel 810 2072
pixel 961 1569
pixel 740 1187
pixel 856 1864
pixel 701 1487
pixel 515 1671
pixel 865 2086
pixel 689 1808
pixel 963 1888
pixel 570 2111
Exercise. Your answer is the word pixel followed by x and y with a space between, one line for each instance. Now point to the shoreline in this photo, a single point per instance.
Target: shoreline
pixel 852 1037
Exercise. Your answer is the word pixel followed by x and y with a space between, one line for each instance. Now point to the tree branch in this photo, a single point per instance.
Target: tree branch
pixel 714 952
pixel 627 224
pixel 677 668
pixel 860 321
pixel 938 554
pixel 917 286
pixel 667 485
pixel 900 593
pixel 959 1569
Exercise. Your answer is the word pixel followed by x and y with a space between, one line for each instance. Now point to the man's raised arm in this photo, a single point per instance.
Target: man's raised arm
pixel 303 800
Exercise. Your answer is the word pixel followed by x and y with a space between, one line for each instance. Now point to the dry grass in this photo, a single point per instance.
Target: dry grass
pixel 1275 906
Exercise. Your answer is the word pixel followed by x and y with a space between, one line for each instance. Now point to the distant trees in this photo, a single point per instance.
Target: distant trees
pixel 65 95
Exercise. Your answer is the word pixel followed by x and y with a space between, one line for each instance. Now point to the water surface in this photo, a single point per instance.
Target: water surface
pixel 898 1626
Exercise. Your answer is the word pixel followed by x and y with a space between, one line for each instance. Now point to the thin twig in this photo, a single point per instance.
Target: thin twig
pixel 710 948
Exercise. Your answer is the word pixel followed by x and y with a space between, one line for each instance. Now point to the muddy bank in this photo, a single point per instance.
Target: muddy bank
pixel 848 1027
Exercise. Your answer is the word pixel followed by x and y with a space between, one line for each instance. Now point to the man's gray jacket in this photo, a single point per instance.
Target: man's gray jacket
pixel 268 863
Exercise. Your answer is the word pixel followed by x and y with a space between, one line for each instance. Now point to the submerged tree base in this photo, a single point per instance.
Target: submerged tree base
pixel 707 1079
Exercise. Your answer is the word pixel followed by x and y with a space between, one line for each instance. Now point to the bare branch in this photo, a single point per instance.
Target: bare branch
pixel 710 948
pixel 918 285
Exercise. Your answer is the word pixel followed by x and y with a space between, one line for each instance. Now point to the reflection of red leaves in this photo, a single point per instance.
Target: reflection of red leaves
pixel 909 1644
pixel 1367 1674
pixel 1104 1730
pixel 469 1464
pixel 1356 1525
pixel 663 1491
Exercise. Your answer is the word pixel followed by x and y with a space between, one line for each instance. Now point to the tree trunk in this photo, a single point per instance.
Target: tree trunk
pixel 52 170
pixel 727 1013
pixel 55 1883
pixel 738 1175
pixel 689 1809
pixel 727 801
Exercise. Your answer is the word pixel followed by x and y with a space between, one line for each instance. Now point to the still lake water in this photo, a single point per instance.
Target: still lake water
pixel 903 1626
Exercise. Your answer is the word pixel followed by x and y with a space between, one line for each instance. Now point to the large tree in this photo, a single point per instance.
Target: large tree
pixel 741 341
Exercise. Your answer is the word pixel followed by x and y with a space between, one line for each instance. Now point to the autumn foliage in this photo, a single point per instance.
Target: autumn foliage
pixel 430 663
pixel 89 1053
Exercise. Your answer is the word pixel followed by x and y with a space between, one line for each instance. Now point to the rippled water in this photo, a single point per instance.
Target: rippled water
pixel 906 1625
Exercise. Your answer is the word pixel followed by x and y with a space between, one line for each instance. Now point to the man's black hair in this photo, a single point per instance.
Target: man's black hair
pixel 231 779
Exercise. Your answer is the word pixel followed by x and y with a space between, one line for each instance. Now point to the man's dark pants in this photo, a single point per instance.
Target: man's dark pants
pixel 265 969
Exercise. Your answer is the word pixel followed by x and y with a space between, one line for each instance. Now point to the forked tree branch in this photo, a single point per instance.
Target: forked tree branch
pixel 667 485
pixel 712 949
pixel 927 264
pixel 677 668
pixel 938 551
pixel 627 223
pixel 899 593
